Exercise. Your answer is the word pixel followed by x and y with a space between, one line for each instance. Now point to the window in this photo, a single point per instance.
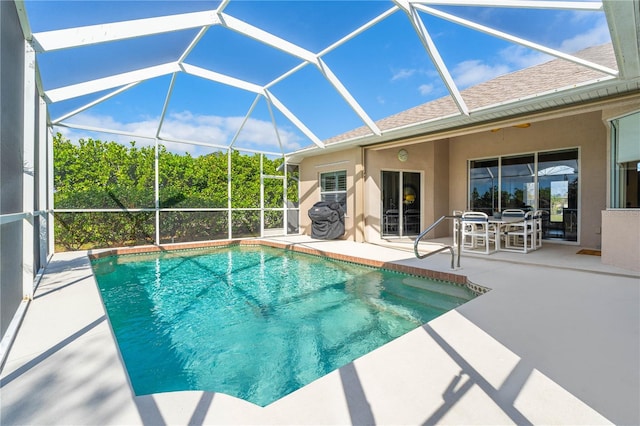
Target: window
pixel 625 157
pixel 333 188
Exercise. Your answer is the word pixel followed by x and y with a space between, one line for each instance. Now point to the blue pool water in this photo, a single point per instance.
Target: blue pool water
pixel 255 322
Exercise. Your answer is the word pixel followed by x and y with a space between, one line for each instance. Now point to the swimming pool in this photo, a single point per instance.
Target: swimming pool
pixel 255 322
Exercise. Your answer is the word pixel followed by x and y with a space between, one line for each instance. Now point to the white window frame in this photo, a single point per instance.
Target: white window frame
pixel 622 143
pixel 334 193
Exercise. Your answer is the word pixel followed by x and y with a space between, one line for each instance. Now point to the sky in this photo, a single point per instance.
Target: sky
pixel 386 68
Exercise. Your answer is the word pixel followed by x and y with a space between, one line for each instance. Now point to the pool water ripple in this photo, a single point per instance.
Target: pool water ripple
pixel 254 322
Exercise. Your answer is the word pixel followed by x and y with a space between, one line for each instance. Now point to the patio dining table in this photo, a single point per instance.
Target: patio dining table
pixel 501 225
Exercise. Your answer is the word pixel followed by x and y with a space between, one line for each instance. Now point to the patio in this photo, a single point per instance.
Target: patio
pixel 534 350
pixel 555 341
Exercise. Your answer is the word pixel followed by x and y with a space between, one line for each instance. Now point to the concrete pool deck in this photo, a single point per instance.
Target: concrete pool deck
pixel 556 341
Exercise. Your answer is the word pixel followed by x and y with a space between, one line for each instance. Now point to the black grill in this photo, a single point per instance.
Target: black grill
pixel 327 220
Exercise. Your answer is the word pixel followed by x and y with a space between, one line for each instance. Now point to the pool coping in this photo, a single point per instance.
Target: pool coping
pixel 453 278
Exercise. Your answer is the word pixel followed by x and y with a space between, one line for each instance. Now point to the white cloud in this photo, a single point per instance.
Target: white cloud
pixel 470 72
pixel 581 17
pixel 425 89
pixel 406 73
pixel 474 71
pixel 519 57
pixel 598 34
pixel 403 74
pixel 184 125
pixel 516 57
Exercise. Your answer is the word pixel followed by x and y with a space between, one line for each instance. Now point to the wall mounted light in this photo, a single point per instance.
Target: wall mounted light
pixel 519 126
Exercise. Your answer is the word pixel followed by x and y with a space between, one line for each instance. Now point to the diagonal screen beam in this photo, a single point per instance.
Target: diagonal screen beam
pixel 529 4
pixel 222 78
pixel 111 82
pixel 355 106
pixel 92 34
pixel 292 117
pixel 96 102
pixel 266 38
pixel 514 39
pixel 165 106
pixel 244 121
pixel 430 46
pixel 360 30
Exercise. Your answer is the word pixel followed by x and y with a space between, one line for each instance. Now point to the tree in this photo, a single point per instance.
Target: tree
pixel 93 174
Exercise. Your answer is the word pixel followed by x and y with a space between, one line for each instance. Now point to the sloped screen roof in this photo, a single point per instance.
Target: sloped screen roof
pixel 277 76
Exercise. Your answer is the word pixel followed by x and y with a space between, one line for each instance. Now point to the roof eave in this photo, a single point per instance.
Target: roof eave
pixel 561 98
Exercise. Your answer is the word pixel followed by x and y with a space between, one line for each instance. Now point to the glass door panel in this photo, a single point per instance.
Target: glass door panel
pixel 483 185
pixel 401 203
pixel 411 203
pixel 390 202
pixel 517 182
pixel 558 194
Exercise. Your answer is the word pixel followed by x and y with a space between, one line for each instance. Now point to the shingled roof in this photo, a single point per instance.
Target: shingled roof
pixel 549 77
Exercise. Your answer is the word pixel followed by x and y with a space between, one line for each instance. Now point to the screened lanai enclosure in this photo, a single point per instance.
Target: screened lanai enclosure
pixel 171 121
pixel 153 122
pixel 110 195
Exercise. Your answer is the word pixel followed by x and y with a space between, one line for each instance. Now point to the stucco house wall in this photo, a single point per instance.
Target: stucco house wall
pixel 584 131
pixel 349 160
pixel 431 159
pixel 443 164
pixel 621 238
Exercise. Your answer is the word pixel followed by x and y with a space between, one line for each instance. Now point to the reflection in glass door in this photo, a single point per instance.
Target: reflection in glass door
pixel 517 182
pixel 558 193
pixel 483 185
pixel 515 179
pixel 400 203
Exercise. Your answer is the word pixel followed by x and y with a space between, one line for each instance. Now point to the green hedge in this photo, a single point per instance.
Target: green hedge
pixel 93 174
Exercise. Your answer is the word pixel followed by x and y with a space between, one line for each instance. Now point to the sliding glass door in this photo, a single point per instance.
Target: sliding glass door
pixel 483 184
pixel 517 182
pixel 558 192
pixel 400 203
pixel 546 181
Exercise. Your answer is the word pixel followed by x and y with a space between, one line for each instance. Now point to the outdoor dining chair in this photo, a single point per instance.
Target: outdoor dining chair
pixel 412 221
pixel 521 236
pixel 537 218
pixel 512 213
pixel 391 221
pixel 477 233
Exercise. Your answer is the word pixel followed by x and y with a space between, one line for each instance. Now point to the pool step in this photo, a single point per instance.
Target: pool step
pixel 426 297
pixel 439 287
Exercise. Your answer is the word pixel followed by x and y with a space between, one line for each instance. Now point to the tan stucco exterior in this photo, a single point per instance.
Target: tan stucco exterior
pixel 583 131
pixel 442 162
pixel 621 238
pixel 310 170
pixel 428 158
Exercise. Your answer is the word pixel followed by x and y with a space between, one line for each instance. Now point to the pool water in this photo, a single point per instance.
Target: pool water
pixel 255 322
